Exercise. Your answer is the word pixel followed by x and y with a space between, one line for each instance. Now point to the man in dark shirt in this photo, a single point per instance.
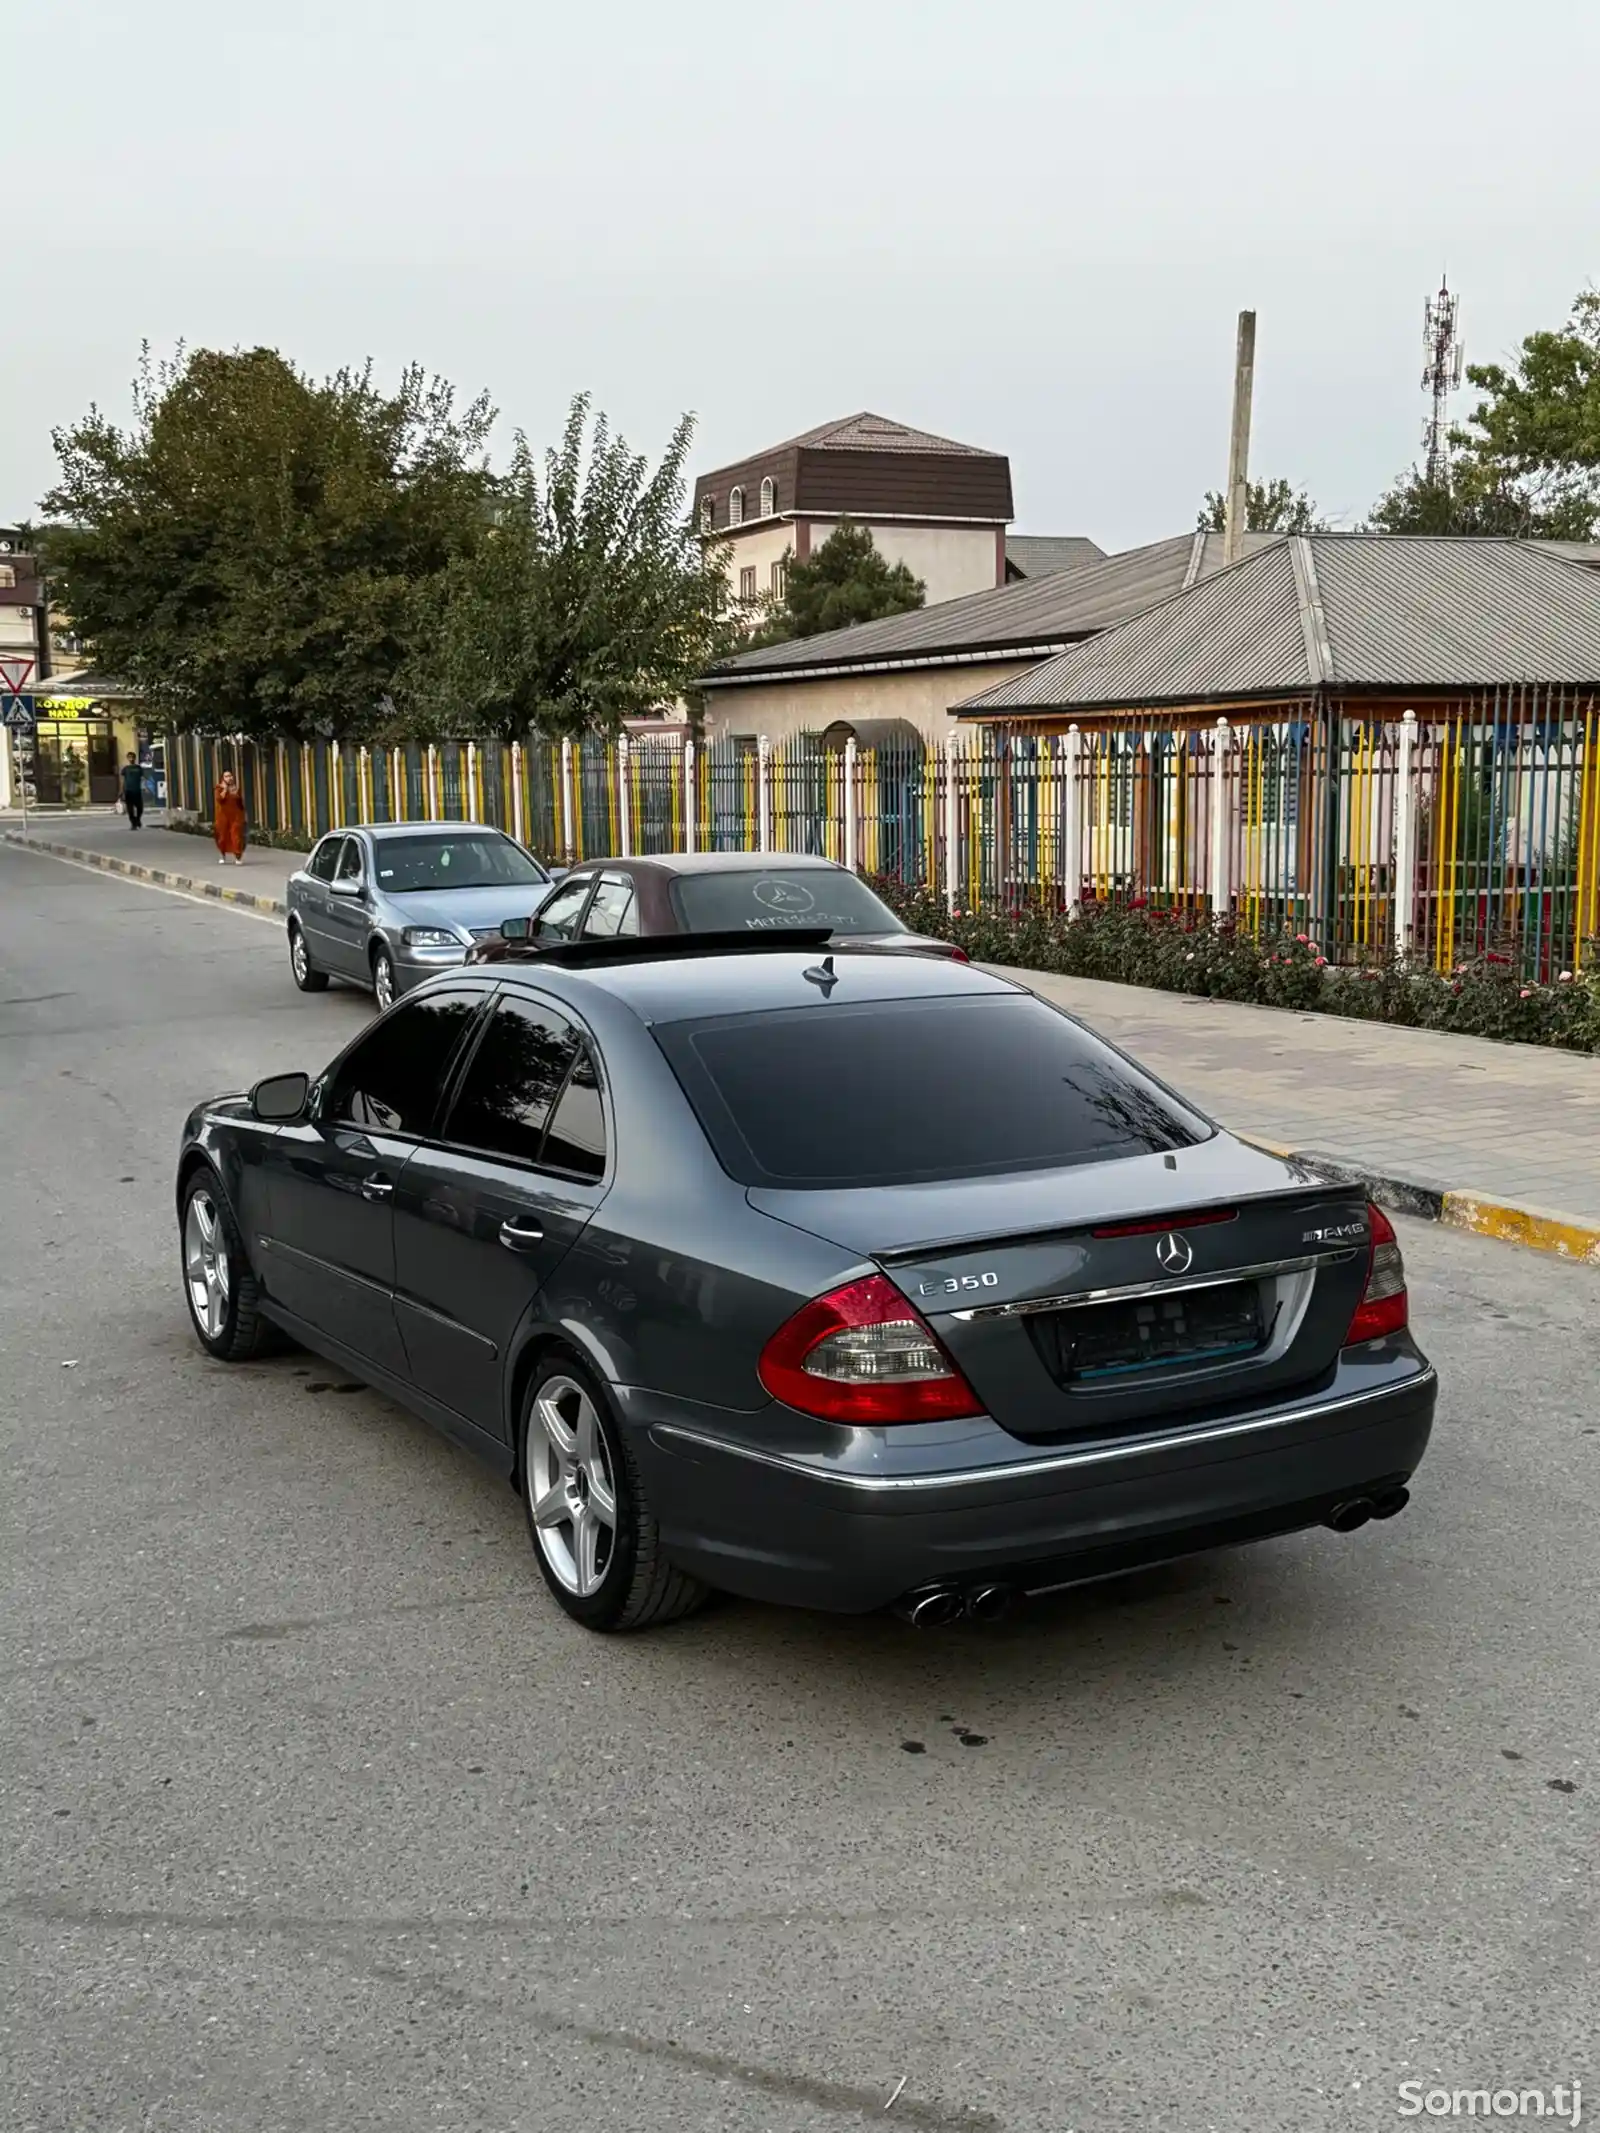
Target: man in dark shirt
pixel 133 791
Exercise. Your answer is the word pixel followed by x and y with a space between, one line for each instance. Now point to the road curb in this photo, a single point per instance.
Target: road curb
pixel 1456 1207
pixel 1565 1235
pixel 109 863
pixel 1419 1197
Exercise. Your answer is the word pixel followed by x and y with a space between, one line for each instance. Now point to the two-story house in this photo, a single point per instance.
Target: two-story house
pixel 939 507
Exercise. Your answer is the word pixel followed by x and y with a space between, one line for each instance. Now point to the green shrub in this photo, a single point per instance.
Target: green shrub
pixel 256 835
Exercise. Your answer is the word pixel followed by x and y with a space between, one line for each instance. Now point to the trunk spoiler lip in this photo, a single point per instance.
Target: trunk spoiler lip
pixel 909 1254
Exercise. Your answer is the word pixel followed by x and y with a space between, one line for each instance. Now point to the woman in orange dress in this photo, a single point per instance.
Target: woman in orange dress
pixel 227 820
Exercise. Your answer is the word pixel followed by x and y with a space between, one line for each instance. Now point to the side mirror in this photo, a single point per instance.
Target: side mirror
pixel 281 1098
pixel 346 885
pixel 516 929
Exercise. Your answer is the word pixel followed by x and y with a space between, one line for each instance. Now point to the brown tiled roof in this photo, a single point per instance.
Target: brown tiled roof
pixel 867 432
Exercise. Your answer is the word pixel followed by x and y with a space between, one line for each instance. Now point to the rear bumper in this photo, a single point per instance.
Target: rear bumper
pixel 776 1526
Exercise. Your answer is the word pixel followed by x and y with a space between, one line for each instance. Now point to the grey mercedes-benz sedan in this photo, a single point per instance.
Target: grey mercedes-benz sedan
pixel 390 904
pixel 846 1279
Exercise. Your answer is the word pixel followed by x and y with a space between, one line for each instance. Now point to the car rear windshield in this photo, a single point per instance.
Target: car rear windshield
pixel 484 861
pixel 759 897
pixel 901 1092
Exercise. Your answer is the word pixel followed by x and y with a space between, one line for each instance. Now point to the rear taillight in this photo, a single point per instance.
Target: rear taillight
pixel 862 1354
pixel 958 955
pixel 1383 1307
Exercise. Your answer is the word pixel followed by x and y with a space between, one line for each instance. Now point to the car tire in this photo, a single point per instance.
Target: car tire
pixel 306 974
pixel 589 1513
pixel 223 1295
pixel 383 978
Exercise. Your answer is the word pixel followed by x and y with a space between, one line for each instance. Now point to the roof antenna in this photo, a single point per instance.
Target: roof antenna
pixel 823 976
pixel 1441 376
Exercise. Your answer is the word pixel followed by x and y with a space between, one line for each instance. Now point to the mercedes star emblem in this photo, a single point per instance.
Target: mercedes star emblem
pixel 1174 1254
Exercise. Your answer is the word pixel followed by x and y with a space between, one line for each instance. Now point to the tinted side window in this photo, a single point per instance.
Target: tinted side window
pixel 391 1081
pixel 325 858
pixel 558 919
pixel 514 1079
pixel 614 914
pixel 351 864
pixel 576 1141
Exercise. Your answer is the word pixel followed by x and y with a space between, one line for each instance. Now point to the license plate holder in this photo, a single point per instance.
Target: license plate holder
pixel 1175 1330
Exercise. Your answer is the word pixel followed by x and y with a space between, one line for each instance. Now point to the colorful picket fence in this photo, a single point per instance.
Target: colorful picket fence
pixel 1442 837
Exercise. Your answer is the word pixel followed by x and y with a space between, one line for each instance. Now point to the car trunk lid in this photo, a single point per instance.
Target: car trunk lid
pixel 1107 1298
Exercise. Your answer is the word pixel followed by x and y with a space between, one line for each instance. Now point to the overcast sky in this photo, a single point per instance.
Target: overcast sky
pixel 1028 225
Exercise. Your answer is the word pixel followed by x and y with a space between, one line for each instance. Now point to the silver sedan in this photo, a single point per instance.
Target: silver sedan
pixel 390 904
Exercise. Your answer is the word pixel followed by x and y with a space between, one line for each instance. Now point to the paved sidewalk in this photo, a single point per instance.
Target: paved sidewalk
pixel 1500 1138
pixel 176 858
pixel 1499 1130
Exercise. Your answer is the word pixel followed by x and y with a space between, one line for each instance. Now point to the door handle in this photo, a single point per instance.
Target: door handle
pixel 377 1187
pixel 519 1232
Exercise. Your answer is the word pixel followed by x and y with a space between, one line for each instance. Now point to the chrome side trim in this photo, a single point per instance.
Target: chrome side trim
pixel 1056 1462
pixel 323 1266
pixel 443 1318
pixel 1081 1299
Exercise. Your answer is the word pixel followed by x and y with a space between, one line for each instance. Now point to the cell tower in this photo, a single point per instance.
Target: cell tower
pixel 1442 373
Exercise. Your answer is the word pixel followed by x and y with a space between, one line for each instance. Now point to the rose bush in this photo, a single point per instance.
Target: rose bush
pixel 1178 951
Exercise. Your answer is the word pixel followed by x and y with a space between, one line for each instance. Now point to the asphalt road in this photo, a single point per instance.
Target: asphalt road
pixel 322 1816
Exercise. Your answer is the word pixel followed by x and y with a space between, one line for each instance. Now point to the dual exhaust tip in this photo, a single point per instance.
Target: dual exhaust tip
pixel 938 1606
pixel 1348 1517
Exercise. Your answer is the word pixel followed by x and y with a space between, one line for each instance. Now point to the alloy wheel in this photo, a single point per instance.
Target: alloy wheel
pixel 571 1490
pixel 383 982
pixel 298 957
pixel 205 1265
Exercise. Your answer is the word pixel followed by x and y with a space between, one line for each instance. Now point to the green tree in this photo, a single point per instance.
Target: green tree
pixel 1270 507
pixel 846 581
pixel 1464 502
pixel 1528 460
pixel 592 600
pixel 1538 424
pixel 248 551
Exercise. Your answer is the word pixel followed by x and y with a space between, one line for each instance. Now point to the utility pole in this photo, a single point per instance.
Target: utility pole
pixel 1244 379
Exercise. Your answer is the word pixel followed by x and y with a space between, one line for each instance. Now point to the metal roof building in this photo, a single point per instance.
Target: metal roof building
pixel 1040 555
pixel 1344 614
pixel 84 684
pixel 1030 619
